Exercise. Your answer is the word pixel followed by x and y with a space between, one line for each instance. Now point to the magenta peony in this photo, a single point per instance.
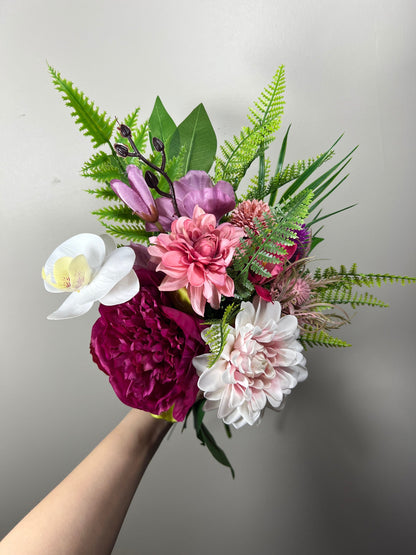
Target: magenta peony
pixel 146 347
pixel 196 255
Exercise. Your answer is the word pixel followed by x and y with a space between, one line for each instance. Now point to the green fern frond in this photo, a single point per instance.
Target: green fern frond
pixel 321 338
pixel 291 172
pixel 266 242
pixel 103 167
pixel 256 189
pixel 216 335
pixel 98 126
pixel 347 296
pixel 133 233
pixel 118 213
pixel 105 193
pixel 237 155
pixel 347 278
pixel 174 168
pixel 131 120
pixel 270 102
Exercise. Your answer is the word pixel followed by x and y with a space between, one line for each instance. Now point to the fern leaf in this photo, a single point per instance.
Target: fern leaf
pixel 98 126
pixel 321 338
pixel 118 213
pixel 291 172
pixel 216 335
pixel 344 277
pixel 347 296
pixel 105 193
pixel 237 155
pixel 103 167
pixel 132 233
pixel 131 120
pixel 256 189
pixel 266 242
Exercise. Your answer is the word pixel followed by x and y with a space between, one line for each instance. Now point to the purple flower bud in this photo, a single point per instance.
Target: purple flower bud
pixel 151 179
pixel 121 150
pixel 158 144
pixel 124 130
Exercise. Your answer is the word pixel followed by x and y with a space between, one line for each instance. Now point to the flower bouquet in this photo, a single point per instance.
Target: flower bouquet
pixel 212 303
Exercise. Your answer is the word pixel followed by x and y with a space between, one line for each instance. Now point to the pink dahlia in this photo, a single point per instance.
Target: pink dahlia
pixel 196 255
pixel 260 364
pixel 146 347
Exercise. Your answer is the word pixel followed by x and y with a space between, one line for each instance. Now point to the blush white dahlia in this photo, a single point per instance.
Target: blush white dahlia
pixel 261 362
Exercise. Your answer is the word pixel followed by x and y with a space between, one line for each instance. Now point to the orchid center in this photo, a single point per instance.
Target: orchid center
pixel 69 274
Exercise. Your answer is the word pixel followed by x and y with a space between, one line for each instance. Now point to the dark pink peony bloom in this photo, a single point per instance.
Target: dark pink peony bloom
pixel 146 347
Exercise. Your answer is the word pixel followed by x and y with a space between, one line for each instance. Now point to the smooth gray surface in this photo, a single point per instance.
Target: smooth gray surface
pixel 334 472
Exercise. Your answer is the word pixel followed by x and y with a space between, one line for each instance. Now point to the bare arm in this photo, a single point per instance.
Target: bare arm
pixel 84 513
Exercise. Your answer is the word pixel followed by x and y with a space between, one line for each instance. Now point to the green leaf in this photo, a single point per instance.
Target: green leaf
pixel 275 182
pixel 309 171
pixel 316 219
pixel 161 125
pixel 237 155
pixel 98 127
pixel 104 167
pixel 198 136
pixel 128 232
pixel 206 438
pixel 321 338
pixel 119 213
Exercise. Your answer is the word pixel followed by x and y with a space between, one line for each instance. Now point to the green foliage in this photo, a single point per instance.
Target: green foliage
pixel 216 335
pixel 131 120
pixel 129 232
pixel 198 137
pixel 104 193
pixel 103 167
pixel 258 182
pixel 289 173
pixel 174 168
pixel 346 278
pixel 98 127
pixel 265 244
pixel 346 295
pixel 119 213
pixel 161 125
pixel 238 154
pixel 206 438
pixel 321 338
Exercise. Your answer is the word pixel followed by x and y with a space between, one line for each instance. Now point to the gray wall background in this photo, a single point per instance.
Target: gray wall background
pixel 335 471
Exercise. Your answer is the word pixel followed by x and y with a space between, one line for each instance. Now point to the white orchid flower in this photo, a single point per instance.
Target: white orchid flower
pixel 91 268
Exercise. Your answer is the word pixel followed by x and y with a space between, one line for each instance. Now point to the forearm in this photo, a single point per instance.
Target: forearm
pixel 84 513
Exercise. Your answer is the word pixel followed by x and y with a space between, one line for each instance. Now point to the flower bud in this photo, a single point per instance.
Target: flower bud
pixel 151 179
pixel 124 130
pixel 121 150
pixel 158 144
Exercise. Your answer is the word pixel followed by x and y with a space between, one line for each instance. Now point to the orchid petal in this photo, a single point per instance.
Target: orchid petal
pixel 123 291
pixel 90 245
pixel 116 267
pixel 71 308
